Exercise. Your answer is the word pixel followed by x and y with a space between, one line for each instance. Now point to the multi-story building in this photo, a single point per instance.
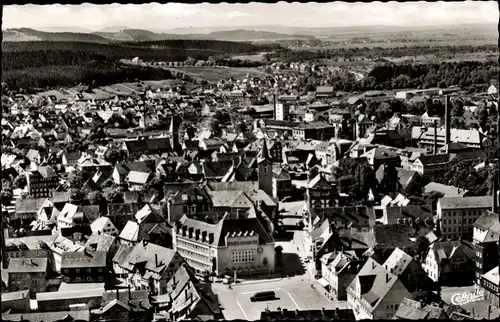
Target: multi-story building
pixel 451 263
pixel 33 250
pixel 457 215
pixel 314 131
pixel 42 182
pixel 28 274
pixel 485 242
pixel 84 267
pixel 489 284
pixel 281 112
pixel 377 291
pixel 338 271
pixel 240 245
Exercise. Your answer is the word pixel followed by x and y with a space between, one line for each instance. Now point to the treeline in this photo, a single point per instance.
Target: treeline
pixel 230 47
pixel 464 73
pixel 289 55
pixel 96 72
pixel 396 76
pixel 19 55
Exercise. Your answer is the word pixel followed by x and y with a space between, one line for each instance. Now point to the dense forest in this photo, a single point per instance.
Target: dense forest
pixel 19 55
pixel 289 55
pixel 396 76
pixel 98 72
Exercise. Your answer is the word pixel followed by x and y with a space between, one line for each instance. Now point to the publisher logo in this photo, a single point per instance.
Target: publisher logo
pixel 466 298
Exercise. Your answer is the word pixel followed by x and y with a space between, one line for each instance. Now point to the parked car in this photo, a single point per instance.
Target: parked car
pixel 263 296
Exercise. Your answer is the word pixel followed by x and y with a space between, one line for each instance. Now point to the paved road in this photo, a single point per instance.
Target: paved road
pixel 292 293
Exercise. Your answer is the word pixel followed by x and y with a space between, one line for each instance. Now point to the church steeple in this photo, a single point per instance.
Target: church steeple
pixel 264 152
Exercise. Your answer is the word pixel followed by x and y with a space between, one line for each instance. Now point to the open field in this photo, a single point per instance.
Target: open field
pixel 255 57
pixel 214 74
pixel 112 90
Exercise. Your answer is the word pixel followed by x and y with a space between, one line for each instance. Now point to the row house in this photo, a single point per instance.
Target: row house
pixel 232 245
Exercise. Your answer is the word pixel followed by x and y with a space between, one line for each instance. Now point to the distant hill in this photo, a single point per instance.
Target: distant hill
pixel 228 35
pixel 27 34
pixel 114 29
pixel 251 35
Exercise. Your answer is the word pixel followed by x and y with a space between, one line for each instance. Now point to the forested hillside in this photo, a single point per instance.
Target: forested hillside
pixel 18 55
pixel 101 73
pixel 289 55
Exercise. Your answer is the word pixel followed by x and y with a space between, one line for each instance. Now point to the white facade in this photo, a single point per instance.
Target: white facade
pixel 281 112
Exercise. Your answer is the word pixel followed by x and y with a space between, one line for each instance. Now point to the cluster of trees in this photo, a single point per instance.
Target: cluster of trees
pixel 396 76
pixel 19 55
pixel 464 175
pixel 464 73
pixel 205 45
pixel 375 52
pixel 97 72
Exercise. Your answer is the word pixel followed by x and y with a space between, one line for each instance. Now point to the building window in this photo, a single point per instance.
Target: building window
pixel 77 270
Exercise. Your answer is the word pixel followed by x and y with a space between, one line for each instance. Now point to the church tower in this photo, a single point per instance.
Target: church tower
pixel 265 168
pixel 173 132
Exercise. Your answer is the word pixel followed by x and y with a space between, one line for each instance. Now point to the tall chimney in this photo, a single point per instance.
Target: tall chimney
pixel 447 120
pixel 495 196
pixel 156 260
pixel 274 104
pixel 435 138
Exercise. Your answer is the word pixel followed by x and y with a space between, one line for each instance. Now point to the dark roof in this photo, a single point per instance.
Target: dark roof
pixel 392 236
pixel 226 227
pixel 308 315
pixel 145 145
pixel 85 259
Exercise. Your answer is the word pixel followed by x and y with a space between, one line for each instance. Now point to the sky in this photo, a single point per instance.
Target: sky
pixel 179 15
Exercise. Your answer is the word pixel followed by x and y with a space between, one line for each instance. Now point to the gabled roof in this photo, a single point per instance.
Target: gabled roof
pixel 375 282
pixel 154 257
pixel 130 232
pixel 136 177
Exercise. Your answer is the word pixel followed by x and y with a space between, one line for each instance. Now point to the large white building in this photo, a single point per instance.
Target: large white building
pixel 457 215
pixel 240 245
